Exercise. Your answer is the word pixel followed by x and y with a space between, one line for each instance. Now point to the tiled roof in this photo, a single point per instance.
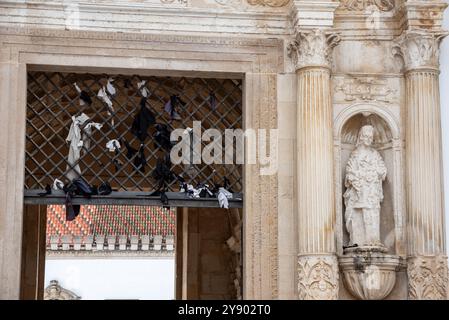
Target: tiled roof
pixel 112 220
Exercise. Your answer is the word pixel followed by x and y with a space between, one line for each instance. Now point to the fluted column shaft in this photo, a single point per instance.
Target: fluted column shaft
pixel 317 261
pixel 424 164
pixel 427 262
pixel 315 162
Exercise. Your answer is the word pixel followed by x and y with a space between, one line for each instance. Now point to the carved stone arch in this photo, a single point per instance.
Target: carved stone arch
pixel 396 175
pixel 360 108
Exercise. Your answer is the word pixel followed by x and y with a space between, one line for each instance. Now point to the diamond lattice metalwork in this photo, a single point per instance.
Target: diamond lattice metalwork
pixel 53 100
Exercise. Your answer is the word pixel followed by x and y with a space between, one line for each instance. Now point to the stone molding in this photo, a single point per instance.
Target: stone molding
pixel 419 49
pixel 428 277
pixel 268 3
pixel 318 277
pixel 87 35
pixel 313 48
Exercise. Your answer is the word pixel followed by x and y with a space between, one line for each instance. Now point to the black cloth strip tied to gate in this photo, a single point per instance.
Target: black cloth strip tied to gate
pixel 163 176
pixel 47 191
pixel 143 119
pixel 127 83
pixel 201 191
pixel 173 103
pixel 140 161
pixel 84 96
pixel 212 101
pixel 78 186
pixel 162 137
pixel 130 150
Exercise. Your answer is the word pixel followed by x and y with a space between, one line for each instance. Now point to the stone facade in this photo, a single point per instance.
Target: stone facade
pixel 317 71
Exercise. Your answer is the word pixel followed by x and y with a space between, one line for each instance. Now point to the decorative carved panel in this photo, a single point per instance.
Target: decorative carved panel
pixel 428 278
pixel 365 89
pixel 318 277
pixel 361 5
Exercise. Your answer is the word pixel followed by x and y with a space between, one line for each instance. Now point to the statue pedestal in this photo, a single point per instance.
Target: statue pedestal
pixel 365 250
pixel 368 272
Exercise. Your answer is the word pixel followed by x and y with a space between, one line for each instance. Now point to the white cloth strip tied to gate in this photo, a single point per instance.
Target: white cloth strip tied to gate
pixel 113 145
pixel 58 185
pixel 143 89
pixel 223 196
pixel 106 94
pixel 78 138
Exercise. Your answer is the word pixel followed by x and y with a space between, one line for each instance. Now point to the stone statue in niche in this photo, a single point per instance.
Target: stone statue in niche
pixel 365 172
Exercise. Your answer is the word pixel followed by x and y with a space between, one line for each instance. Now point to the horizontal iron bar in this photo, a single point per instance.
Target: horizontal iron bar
pixel 175 199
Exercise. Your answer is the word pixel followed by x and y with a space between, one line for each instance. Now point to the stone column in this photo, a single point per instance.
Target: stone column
pixel 427 263
pixel 12 158
pixel 317 260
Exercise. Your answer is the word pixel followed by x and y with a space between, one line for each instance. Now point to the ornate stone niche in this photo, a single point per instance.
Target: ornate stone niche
pixel 369 272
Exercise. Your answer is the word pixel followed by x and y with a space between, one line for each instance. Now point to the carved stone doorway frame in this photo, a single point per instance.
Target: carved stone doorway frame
pixel 256 61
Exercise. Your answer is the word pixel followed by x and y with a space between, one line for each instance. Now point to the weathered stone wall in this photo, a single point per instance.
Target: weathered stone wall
pixel 209 259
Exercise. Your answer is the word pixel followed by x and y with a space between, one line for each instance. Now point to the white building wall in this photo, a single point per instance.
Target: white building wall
pixel 444 88
pixel 114 278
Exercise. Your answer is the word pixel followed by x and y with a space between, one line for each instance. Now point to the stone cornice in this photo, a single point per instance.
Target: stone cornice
pixel 421 14
pixel 145 17
pixel 316 14
pixel 144 37
pixel 419 49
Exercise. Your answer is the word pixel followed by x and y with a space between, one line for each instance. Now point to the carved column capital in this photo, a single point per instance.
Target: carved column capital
pixel 427 277
pixel 313 48
pixel 318 277
pixel 419 49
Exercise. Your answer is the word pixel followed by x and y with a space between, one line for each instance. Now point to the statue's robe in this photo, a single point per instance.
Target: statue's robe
pixel 365 172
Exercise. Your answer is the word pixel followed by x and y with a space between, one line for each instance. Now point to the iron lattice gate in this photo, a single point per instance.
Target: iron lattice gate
pixel 53 100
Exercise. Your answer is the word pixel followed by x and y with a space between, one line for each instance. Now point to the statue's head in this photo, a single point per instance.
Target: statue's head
pixel 366 135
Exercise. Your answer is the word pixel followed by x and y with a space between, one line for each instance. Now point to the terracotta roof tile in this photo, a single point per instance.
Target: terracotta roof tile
pixel 112 220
